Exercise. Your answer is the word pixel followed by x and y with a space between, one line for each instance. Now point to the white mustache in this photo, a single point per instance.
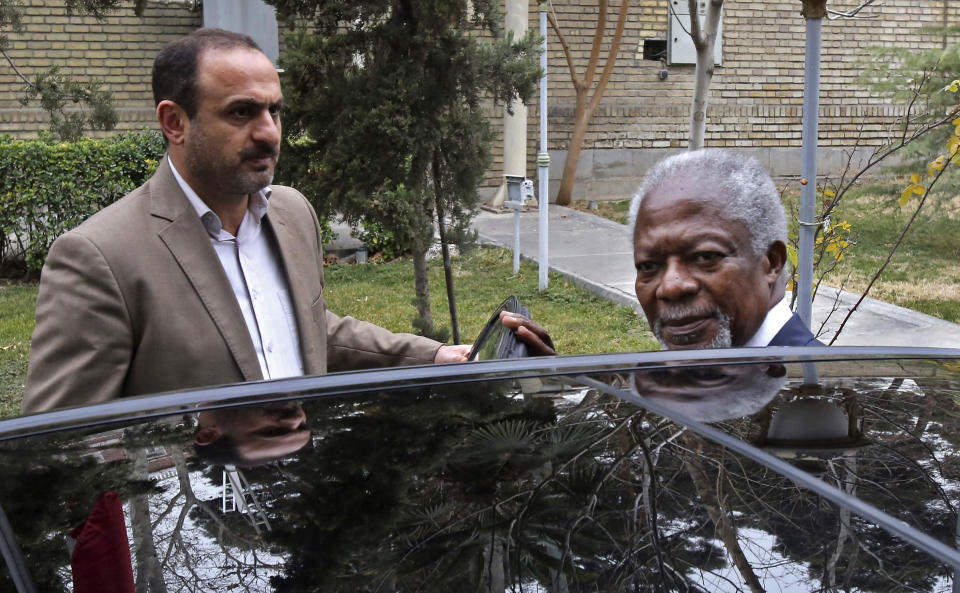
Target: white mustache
pixel 678 312
pixel 723 338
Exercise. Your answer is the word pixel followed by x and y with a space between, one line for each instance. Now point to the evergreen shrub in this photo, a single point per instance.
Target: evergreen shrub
pixel 48 187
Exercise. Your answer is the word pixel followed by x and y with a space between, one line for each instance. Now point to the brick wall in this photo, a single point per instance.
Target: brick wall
pixel 756 96
pixel 119 51
pixel 755 102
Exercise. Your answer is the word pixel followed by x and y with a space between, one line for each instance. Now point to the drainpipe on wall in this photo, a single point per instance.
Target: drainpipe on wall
pixel 515 125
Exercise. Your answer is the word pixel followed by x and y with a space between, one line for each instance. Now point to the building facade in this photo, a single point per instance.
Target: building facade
pixel 755 102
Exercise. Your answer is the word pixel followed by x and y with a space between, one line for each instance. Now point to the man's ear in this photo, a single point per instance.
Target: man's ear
pixel 207 435
pixel 173 121
pixel 776 258
pixel 776 371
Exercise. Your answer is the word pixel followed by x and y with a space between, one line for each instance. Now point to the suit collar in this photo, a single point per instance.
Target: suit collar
pixel 776 318
pixel 189 244
pixel 167 200
pixel 795 333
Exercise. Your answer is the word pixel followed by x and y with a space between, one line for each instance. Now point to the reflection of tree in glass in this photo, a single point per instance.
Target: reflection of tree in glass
pixel 375 458
pixel 487 490
pixel 901 471
pixel 173 554
pixel 442 493
pixel 51 490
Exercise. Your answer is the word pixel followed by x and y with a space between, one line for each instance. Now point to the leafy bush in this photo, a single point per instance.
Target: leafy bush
pixel 47 188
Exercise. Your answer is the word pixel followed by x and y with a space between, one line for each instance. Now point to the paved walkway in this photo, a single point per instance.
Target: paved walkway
pixel 596 253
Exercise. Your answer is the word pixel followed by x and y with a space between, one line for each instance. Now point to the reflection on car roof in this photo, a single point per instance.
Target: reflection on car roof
pixel 721 472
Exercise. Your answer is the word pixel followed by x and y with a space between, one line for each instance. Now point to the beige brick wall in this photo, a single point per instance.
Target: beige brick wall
pixel 755 100
pixel 756 95
pixel 118 50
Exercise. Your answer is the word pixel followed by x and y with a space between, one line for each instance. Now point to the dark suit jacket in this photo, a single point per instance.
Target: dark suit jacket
pixel 795 333
pixel 135 301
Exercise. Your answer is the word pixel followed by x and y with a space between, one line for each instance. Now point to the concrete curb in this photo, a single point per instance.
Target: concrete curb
pixel 611 294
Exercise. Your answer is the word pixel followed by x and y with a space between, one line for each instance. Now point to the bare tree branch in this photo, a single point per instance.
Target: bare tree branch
pixel 853 13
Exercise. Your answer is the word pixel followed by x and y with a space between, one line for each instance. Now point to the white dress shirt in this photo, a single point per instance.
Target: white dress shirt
pixel 776 318
pixel 251 261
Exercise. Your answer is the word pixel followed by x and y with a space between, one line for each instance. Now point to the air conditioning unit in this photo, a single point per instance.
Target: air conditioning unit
pixel 680 49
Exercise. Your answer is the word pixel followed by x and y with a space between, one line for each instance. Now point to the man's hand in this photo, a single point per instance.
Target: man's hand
pixel 536 338
pixel 457 353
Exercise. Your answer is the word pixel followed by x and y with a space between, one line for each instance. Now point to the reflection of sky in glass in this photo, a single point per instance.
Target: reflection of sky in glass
pixel 192 560
pixel 775 572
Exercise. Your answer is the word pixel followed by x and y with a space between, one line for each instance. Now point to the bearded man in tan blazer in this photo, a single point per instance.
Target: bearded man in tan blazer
pixel 206 274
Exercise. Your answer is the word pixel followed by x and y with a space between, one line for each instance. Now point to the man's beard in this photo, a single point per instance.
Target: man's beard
pixel 206 163
pixel 722 339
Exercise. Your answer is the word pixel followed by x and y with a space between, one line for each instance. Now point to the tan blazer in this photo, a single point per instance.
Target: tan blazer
pixel 135 301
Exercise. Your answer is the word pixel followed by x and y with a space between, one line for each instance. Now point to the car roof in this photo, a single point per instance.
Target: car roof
pixel 710 470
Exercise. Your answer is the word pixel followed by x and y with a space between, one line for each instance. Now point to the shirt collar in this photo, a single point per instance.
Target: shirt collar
pixel 776 318
pixel 211 222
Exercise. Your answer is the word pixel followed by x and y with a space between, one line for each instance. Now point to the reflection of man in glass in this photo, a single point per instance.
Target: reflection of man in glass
pixel 710 250
pixel 251 435
pixel 712 393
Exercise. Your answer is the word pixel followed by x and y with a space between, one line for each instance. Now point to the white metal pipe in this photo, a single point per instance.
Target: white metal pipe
pixel 808 192
pixel 516 241
pixel 543 159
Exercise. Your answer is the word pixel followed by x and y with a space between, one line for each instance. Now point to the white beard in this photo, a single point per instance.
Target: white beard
pixel 723 338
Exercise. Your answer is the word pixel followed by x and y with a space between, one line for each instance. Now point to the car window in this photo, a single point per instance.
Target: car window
pixel 614 478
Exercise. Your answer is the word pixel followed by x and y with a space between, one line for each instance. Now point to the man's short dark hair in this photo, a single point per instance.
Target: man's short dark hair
pixel 175 67
pixel 222 451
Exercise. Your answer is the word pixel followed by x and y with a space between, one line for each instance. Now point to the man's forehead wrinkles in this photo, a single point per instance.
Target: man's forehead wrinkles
pixel 668 238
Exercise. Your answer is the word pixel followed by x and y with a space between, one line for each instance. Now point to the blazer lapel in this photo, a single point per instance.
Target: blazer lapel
pixel 189 244
pixel 297 255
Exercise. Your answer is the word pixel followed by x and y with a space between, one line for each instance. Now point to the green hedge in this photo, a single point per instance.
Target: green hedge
pixel 47 188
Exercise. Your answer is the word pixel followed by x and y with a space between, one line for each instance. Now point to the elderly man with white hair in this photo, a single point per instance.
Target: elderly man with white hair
pixel 709 236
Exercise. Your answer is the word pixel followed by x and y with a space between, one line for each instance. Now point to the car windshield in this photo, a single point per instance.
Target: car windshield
pixel 621 473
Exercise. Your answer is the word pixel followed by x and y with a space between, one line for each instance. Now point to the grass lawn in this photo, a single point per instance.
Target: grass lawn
pixel 923 275
pixel 617 211
pixel 16 325
pixel 578 321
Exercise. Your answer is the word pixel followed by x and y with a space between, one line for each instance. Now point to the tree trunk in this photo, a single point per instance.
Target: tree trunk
pixel 148 574
pixel 421 284
pixel 445 249
pixel 698 110
pixel 847 481
pixel 565 194
pixel 704 39
pixel 586 105
pixel 721 519
pixel 494 579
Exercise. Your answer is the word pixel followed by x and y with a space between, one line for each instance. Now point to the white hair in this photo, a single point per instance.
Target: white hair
pixel 738 182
